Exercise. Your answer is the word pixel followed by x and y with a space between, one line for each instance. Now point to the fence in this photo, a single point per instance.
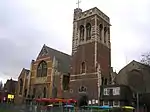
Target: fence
pixel 58 109
pixel 34 108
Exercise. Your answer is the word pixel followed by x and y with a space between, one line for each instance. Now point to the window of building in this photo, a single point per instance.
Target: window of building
pixel 116 91
pixel 21 86
pixel 88 31
pixel 105 103
pixel 25 92
pixel 96 101
pixel 44 52
pixel 106 91
pixel 65 82
pixel 82 89
pixel 44 92
pixel 93 101
pixel 105 81
pixel 100 31
pixel 34 91
pixel 71 90
pixel 108 30
pixel 110 91
pixel 116 103
pixel 83 67
pixel 105 32
pixel 42 69
pixel 89 102
pixel 81 33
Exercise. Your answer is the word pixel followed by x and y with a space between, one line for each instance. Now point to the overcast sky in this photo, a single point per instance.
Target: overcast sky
pixel 25 25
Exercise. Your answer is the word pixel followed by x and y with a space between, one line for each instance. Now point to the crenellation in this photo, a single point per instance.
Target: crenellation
pixel 93 11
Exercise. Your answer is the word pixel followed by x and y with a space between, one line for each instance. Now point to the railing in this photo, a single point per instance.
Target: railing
pixel 33 108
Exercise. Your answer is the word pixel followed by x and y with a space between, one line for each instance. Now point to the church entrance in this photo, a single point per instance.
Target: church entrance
pixel 83 100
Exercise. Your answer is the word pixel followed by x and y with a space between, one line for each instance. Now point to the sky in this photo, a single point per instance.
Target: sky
pixel 26 25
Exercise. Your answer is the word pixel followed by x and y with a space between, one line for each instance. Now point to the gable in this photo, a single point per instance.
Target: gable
pixel 63 59
pixel 43 52
pixel 23 73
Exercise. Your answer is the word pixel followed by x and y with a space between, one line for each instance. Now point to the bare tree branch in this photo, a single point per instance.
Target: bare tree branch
pixel 145 58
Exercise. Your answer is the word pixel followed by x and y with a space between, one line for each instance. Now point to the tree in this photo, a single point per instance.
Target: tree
pixel 146 58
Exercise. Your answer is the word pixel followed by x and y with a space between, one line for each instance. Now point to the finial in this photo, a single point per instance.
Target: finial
pixel 79 1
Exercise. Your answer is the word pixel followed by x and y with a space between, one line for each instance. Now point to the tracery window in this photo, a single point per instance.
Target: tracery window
pixel 105 32
pixel 83 67
pixel 88 31
pixel 100 31
pixel 81 33
pixel 25 92
pixel 21 86
pixel 42 69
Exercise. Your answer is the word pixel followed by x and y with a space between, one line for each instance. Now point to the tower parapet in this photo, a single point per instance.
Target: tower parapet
pixel 78 14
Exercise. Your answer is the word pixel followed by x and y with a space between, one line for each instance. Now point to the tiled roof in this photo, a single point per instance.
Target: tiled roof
pixel 64 60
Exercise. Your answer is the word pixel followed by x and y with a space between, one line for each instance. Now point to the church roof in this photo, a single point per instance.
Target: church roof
pixel 24 71
pixel 64 60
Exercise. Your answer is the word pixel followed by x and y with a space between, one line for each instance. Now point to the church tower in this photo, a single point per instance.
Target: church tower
pixel 91 54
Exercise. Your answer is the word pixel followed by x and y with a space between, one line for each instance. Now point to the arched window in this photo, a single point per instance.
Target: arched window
pixel 83 67
pixel 21 86
pixel 88 31
pixel 105 31
pixel 100 31
pixel 44 92
pixel 25 92
pixel 108 30
pixel 105 81
pixel 81 33
pixel 42 69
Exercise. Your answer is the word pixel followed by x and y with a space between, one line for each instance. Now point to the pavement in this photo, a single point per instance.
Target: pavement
pixel 12 108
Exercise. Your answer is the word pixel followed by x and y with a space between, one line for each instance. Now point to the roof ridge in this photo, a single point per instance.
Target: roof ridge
pixel 142 64
pixel 57 51
pixel 26 69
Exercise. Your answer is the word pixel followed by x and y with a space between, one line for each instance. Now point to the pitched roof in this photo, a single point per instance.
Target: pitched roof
pixel 64 60
pixel 139 63
pixel 24 71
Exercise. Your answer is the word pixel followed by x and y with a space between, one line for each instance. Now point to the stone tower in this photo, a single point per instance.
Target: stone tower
pixel 91 50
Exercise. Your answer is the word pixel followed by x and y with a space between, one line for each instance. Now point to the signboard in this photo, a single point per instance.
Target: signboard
pixel 10 96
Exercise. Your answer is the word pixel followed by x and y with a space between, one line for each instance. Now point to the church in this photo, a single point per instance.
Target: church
pixel 80 75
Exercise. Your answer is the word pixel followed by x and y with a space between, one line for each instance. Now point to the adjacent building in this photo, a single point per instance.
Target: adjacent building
pixel 116 95
pixel 135 75
pixel 9 90
pixel 22 86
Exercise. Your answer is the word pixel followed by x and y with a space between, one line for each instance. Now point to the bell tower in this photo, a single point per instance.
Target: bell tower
pixel 91 53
